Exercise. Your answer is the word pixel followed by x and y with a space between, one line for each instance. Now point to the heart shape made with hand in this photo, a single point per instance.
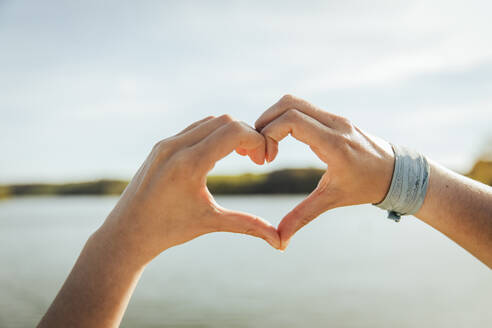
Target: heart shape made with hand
pixel 359 166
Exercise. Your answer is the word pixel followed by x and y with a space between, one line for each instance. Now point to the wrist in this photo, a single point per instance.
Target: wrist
pixel 409 183
pixel 117 247
pixel 381 174
pixel 387 166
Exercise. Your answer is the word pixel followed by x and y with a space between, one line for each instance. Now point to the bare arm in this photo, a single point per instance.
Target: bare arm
pixel 461 209
pixel 359 171
pixel 166 204
pixel 97 291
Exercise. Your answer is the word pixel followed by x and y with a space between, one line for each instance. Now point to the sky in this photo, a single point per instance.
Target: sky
pixel 88 87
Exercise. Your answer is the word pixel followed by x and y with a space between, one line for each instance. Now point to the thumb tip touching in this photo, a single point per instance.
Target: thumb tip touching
pixel 271 236
pixel 284 237
pixel 284 244
pixel 276 240
pixel 274 243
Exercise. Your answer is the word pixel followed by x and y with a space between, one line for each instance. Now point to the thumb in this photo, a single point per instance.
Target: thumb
pixel 244 223
pixel 306 211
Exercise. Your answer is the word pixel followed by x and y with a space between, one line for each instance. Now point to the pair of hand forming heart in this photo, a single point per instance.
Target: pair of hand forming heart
pixel 167 202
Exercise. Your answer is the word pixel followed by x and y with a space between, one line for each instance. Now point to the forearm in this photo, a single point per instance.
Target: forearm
pixel 461 209
pixel 97 291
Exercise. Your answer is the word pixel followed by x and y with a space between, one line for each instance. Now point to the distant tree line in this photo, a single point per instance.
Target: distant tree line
pixel 287 181
pixel 99 187
pixel 482 171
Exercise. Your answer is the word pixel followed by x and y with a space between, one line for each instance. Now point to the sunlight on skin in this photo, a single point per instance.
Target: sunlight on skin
pixel 359 171
pixel 167 203
pixel 154 214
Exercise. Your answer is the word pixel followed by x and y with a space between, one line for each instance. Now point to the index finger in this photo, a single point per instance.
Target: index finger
pixel 290 102
pixel 227 138
pixel 302 127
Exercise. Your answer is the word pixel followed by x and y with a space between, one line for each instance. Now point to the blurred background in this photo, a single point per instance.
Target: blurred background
pixel 87 88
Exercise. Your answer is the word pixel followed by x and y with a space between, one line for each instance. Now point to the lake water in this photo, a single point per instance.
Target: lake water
pixel 350 268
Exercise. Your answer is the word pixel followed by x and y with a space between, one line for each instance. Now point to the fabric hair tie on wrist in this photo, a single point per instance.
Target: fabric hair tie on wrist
pixel 408 185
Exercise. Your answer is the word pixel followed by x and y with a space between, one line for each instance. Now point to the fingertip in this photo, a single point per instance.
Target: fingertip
pixel 286 229
pixel 284 244
pixel 284 238
pixel 257 155
pixel 251 155
pixel 241 151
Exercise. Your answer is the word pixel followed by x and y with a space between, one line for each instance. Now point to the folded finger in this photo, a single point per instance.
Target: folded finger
pixel 291 102
pixel 202 130
pixel 242 151
pixel 195 124
pixel 257 155
pixel 224 140
pixel 301 126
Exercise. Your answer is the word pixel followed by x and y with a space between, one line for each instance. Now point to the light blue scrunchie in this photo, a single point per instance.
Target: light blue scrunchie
pixel 408 185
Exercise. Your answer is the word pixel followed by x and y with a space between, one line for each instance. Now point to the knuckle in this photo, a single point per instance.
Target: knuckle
pixel 292 114
pixel 163 148
pixel 344 123
pixel 235 126
pixel 287 98
pixel 158 146
pixel 226 118
pixel 342 145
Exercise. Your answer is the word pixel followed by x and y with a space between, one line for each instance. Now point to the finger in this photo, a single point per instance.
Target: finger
pixel 290 102
pixel 193 125
pixel 223 141
pixel 200 131
pixel 242 151
pixel 257 155
pixel 244 223
pixel 191 135
pixel 309 209
pixel 301 126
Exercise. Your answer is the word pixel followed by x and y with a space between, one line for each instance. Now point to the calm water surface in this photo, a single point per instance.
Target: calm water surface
pixel 350 268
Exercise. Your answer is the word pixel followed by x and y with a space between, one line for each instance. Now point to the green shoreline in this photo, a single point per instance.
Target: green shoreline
pixel 286 181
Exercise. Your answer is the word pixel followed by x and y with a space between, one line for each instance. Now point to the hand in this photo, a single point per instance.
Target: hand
pixel 167 202
pixel 359 166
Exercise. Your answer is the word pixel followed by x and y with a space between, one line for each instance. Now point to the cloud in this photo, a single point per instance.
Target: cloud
pixel 72 71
